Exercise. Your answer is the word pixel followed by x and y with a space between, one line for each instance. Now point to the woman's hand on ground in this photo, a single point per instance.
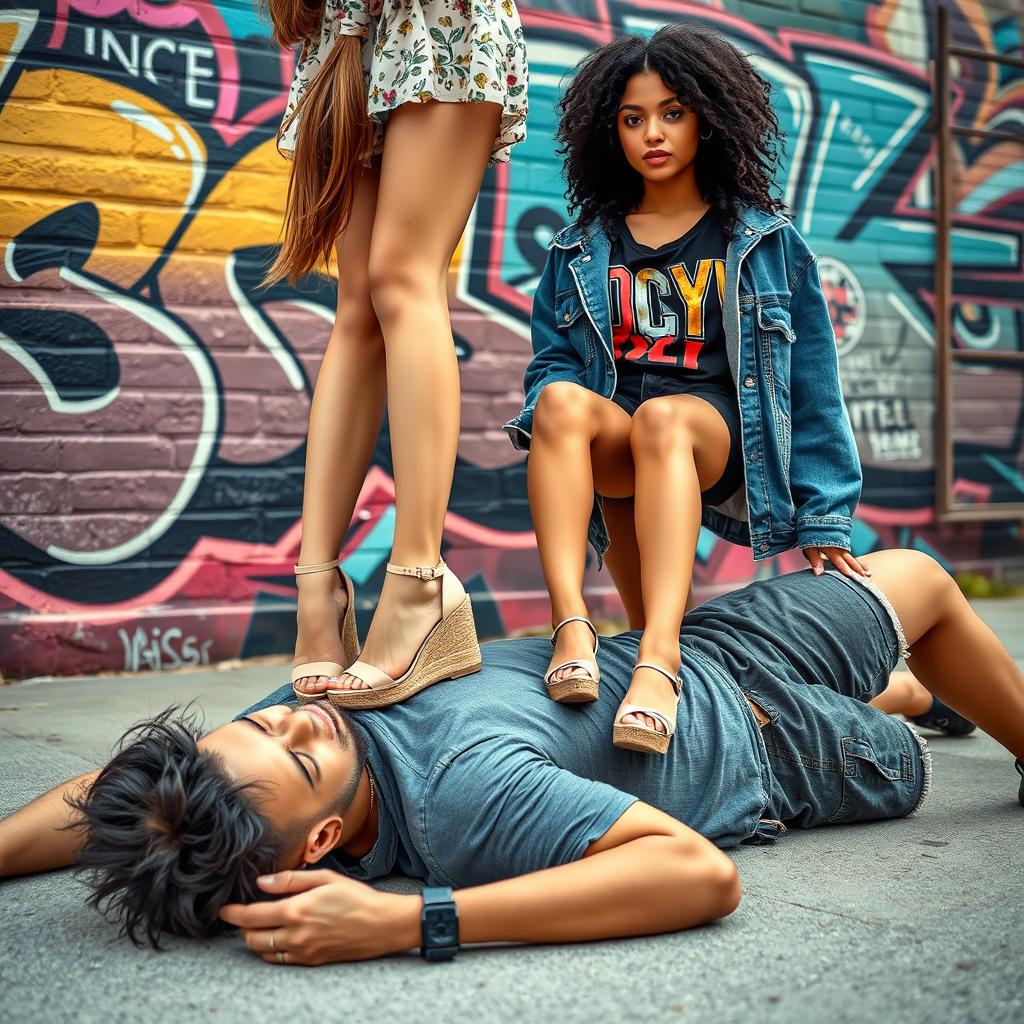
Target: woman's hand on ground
pixel 329 919
pixel 841 559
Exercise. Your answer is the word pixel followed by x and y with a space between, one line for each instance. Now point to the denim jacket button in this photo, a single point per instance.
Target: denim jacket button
pixel 749 382
pixel 752 457
pixel 567 318
pixel 762 547
pixel 584 259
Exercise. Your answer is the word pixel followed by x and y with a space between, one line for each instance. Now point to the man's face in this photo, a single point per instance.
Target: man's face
pixel 298 758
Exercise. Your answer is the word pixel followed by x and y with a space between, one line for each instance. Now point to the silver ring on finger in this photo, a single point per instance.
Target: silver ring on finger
pixel 279 956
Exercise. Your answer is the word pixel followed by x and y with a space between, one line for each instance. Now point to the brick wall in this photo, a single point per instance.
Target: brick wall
pixel 153 402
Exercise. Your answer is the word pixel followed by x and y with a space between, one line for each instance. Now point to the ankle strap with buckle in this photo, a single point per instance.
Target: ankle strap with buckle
pixel 422 572
pixel 677 683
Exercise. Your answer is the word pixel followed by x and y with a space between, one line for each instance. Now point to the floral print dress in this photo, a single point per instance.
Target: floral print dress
pixel 413 51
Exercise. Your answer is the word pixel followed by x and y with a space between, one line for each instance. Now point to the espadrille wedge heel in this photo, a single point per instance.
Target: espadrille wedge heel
pixel 642 738
pixel 346 633
pixel 450 649
pixel 582 685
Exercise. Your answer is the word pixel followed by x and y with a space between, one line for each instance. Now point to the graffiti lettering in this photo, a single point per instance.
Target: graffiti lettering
pixel 136 58
pixel 859 137
pixel 888 427
pixel 155 651
pixel 156 398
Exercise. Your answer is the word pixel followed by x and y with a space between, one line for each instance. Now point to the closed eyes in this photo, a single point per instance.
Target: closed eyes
pixel 294 755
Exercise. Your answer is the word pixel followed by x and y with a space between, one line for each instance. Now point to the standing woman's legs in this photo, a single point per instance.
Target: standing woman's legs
pixel 434 158
pixel 344 420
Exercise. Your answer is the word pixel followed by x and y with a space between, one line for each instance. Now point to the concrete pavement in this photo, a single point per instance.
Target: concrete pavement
pixel 916 919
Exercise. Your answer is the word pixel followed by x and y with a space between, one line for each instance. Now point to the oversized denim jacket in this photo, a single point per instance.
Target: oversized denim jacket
pixel 803 475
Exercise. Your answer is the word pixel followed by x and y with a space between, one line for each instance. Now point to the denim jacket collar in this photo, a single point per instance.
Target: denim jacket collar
pixel 751 221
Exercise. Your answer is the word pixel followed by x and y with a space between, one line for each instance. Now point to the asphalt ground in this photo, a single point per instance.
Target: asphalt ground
pixel 909 920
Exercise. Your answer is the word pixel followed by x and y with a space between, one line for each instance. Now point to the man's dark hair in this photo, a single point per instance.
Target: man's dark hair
pixel 170 838
pixel 735 166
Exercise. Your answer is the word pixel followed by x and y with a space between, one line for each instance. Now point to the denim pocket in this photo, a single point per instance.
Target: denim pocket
pixel 875 785
pixel 570 319
pixel 772 317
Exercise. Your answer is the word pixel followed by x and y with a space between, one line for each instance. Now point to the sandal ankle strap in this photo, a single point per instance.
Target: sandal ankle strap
pixel 422 572
pixel 677 683
pixel 301 570
pixel 577 618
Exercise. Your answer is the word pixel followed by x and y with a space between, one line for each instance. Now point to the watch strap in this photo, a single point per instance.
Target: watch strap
pixel 439 924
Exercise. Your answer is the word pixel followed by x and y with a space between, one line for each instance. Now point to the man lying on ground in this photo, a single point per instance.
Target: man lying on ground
pixel 516 802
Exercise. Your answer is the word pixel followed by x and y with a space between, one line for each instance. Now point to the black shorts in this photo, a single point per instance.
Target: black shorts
pixel 637 386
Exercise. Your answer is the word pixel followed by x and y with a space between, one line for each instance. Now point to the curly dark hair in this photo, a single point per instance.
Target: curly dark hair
pixel 170 838
pixel 735 167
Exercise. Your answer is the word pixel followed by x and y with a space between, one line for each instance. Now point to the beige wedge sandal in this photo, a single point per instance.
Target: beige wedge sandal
pixel 580 687
pixel 346 633
pixel 642 738
pixel 449 651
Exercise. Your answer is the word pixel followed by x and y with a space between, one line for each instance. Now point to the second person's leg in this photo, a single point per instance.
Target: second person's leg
pixel 680 447
pixel 952 652
pixel 575 433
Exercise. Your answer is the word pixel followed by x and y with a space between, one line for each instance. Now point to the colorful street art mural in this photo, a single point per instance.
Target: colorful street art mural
pixel 153 399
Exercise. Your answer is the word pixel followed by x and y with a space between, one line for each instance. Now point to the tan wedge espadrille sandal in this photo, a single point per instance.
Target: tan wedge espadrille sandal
pixel 580 687
pixel 346 633
pixel 450 649
pixel 642 738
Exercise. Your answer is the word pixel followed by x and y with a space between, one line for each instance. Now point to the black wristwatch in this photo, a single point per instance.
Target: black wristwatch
pixel 439 924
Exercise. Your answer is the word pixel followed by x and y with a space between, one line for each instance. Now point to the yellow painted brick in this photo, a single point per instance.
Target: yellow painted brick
pixel 94 175
pixel 25 169
pixel 168 137
pixel 156 226
pixel 46 125
pixel 238 190
pixel 216 231
pixel 118 224
pixel 37 84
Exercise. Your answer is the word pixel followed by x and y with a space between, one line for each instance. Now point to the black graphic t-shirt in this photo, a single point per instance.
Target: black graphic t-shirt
pixel 666 304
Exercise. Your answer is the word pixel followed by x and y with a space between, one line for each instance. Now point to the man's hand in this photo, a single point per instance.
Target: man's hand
pixel 330 919
pixel 842 560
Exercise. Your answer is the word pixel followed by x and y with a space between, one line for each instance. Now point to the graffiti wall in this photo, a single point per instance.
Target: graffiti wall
pixel 154 400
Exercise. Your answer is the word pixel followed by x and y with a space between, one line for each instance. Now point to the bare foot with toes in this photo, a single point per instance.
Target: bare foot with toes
pixel 573 640
pixel 322 606
pixel 649 688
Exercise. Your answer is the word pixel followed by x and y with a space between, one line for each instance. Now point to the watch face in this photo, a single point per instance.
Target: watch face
pixel 439 925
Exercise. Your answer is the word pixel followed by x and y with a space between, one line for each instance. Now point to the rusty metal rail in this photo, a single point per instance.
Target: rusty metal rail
pixel 946 355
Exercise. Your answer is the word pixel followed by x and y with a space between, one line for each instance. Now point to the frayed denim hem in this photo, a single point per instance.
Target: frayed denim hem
pixel 926 762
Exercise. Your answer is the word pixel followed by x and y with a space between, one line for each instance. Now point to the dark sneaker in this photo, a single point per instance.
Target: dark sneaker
pixel 1020 771
pixel 944 719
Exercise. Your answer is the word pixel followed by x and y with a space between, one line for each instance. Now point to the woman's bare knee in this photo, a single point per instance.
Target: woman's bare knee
pixel 563 409
pixel 660 427
pixel 397 288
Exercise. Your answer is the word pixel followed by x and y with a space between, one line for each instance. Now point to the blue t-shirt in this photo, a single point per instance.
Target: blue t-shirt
pixel 486 777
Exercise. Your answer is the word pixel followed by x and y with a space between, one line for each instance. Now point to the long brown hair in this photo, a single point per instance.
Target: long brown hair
pixel 334 135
